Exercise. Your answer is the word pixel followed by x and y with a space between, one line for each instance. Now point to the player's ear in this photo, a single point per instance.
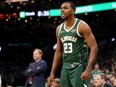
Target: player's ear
pixel 73 11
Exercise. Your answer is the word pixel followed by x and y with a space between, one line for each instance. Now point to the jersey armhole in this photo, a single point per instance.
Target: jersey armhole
pixel 78 29
pixel 59 29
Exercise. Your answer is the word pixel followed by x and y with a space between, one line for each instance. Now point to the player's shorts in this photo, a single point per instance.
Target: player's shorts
pixel 71 77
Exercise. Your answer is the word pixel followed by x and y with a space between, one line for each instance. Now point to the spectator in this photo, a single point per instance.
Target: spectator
pixel 114 82
pixel 100 81
pixel 56 83
pixel 95 71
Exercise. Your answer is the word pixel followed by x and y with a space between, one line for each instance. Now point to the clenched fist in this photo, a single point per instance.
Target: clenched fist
pixel 50 79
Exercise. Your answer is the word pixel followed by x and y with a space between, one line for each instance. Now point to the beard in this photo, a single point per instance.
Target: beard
pixel 64 18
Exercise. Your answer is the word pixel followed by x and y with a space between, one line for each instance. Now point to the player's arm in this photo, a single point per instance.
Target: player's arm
pixel 58 53
pixel 85 30
pixel 57 58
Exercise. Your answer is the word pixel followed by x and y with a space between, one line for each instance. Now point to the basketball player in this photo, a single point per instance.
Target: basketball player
pixel 74 36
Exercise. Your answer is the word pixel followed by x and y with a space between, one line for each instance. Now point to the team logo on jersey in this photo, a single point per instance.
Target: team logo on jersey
pixel 61 31
pixel 68 38
pixel 73 30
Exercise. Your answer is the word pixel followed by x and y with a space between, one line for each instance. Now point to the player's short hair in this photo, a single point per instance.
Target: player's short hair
pixel 71 4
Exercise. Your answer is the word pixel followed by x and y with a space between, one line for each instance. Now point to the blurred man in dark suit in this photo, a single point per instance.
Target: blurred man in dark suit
pixel 35 72
pixel 100 81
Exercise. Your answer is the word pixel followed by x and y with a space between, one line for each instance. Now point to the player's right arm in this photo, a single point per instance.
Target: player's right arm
pixel 57 58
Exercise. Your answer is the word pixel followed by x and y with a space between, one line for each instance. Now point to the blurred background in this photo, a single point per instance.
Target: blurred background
pixel 27 24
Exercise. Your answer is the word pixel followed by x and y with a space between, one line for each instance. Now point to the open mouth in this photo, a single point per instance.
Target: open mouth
pixel 63 15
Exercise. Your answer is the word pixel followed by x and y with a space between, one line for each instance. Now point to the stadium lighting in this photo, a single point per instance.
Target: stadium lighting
pixel 88 8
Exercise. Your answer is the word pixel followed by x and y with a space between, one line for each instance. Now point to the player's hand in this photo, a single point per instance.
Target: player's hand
pixel 86 75
pixel 50 79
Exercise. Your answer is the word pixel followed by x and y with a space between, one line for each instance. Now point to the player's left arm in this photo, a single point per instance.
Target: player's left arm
pixel 85 30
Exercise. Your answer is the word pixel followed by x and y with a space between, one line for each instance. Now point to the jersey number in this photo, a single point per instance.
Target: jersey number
pixel 67 47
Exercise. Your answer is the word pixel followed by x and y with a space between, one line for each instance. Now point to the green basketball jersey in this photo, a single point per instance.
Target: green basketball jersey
pixel 73 43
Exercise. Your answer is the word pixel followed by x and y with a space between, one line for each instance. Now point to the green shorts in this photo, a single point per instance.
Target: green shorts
pixel 71 77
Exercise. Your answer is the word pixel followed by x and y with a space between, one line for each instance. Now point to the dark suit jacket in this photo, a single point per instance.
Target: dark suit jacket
pixel 107 85
pixel 37 70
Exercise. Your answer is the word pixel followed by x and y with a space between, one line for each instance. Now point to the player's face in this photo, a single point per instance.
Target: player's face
pixel 66 11
pixel 36 55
